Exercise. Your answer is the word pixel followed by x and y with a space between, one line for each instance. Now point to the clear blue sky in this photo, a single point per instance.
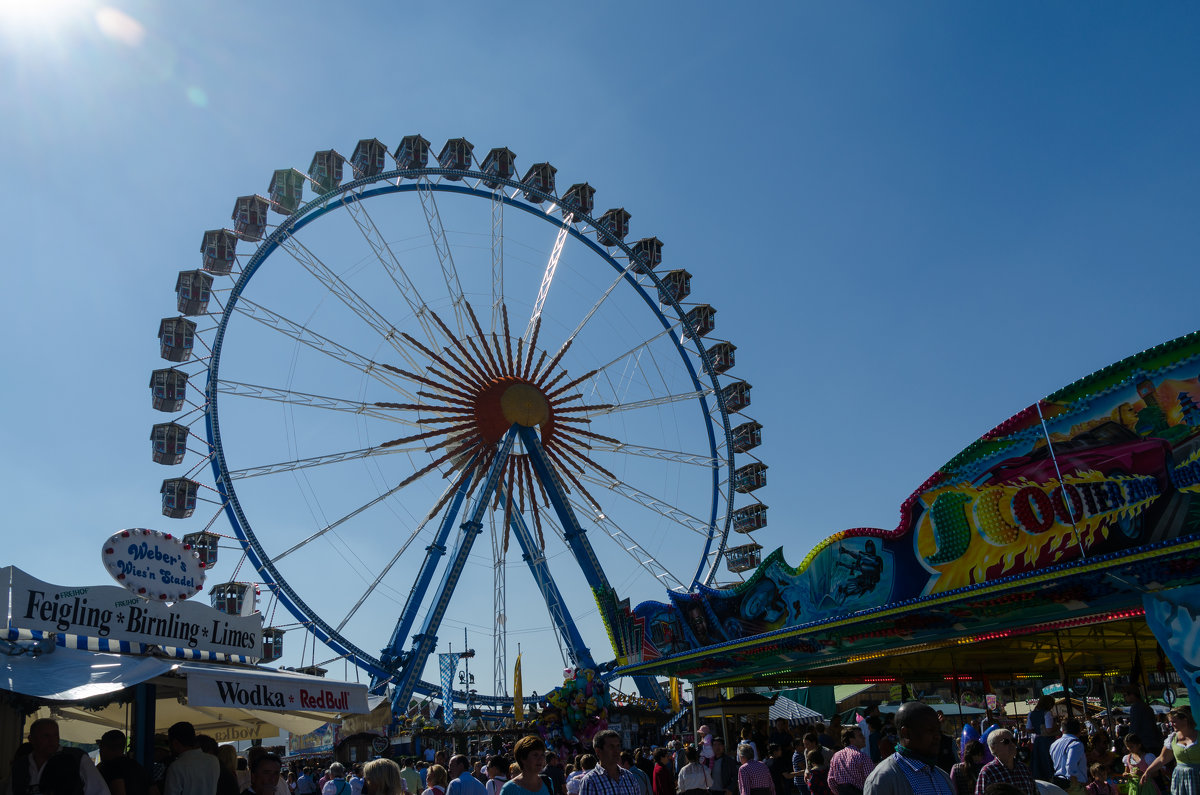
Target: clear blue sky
pixel 914 219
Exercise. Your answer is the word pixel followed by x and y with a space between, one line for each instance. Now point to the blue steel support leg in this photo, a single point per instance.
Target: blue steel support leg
pixel 580 546
pixel 575 534
pixel 393 653
pixel 535 558
pixel 425 641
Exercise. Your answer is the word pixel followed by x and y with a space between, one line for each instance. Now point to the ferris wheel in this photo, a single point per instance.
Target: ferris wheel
pixel 424 353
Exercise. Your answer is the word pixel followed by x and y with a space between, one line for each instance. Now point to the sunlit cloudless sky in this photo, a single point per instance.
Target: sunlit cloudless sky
pixel 914 218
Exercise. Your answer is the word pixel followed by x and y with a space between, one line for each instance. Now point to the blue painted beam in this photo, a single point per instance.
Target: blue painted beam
pixel 426 640
pixel 535 559
pixel 578 541
pixel 576 536
pixel 393 653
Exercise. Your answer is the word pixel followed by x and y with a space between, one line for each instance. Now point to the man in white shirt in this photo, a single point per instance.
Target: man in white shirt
pixel 27 769
pixel 193 772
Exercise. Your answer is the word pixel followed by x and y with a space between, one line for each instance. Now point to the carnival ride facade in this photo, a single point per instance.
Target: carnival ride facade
pixel 1041 546
pixel 422 351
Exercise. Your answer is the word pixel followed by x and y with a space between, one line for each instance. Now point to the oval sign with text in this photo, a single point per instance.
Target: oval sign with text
pixel 154 565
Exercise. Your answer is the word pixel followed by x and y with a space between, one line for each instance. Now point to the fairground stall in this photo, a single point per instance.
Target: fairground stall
pixel 97 658
pixel 1058 549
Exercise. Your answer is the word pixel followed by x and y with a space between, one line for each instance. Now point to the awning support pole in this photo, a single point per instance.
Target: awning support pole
pixel 724 728
pixel 1107 700
pixel 145 697
pixel 956 691
pixel 1062 672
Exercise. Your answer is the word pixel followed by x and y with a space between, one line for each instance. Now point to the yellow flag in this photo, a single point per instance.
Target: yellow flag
pixel 518 703
pixel 674 685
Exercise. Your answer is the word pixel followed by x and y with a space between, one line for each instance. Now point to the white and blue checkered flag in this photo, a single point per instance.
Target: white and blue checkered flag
pixel 449 664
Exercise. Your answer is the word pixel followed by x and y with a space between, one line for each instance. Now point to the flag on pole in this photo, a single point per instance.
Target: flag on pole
pixel 518 701
pixel 449 664
pixel 674 685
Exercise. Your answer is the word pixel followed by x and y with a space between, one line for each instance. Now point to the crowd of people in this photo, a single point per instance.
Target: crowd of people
pixel 909 752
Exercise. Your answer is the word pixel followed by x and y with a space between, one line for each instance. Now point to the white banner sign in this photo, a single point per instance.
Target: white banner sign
pixel 257 689
pixel 107 611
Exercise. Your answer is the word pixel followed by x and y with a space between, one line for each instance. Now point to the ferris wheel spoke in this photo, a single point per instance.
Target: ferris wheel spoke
pixel 497 256
pixel 305 399
pixel 383 252
pixel 302 334
pixel 403 548
pixel 636 405
pixel 627 543
pixel 548 274
pixel 664 509
pixel 437 233
pixel 596 306
pixel 320 460
pixel 347 295
pixel 339 522
pixel 676 456
pixel 636 350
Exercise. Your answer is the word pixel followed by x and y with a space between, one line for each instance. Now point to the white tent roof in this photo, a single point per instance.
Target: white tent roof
pixel 785 708
pixel 66 677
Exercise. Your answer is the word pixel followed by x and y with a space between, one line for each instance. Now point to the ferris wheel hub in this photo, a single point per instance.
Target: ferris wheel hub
pixel 525 405
pixel 507 400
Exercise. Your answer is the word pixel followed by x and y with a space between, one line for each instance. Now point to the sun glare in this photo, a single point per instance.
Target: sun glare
pixel 31 17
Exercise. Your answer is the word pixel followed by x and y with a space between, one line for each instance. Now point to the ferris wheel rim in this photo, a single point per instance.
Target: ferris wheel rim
pixel 352 192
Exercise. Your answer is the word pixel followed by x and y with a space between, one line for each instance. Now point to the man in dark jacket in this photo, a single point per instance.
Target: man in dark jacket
pixel 724 770
pixel 123 775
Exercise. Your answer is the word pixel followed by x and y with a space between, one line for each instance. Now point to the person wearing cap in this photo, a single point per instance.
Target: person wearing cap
pixel 193 772
pixel 123 775
pixel 47 758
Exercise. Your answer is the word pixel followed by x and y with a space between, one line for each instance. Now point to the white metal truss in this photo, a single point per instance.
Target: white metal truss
pixel 320 460
pixel 627 543
pixel 675 456
pixel 499 611
pixel 437 234
pixel 666 510
pixel 654 401
pixel 346 294
pixel 403 547
pixel 306 399
pixel 548 276
pixel 325 345
pixel 636 350
pixel 383 252
pixel 347 517
pixel 497 257
pixel 596 306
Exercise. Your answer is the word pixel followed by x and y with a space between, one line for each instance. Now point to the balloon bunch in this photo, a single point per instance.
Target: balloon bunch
pixel 580 706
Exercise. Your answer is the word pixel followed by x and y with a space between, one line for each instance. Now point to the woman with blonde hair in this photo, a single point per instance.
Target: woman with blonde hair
pixel 382 777
pixel 1183 748
pixel 436 781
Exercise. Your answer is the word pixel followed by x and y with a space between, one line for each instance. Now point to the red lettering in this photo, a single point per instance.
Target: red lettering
pixel 1033 510
pixel 1060 504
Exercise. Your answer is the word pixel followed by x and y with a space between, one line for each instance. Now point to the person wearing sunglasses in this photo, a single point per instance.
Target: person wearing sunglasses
pixel 1005 768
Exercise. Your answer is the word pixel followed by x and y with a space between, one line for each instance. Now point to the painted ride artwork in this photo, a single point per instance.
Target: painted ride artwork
pixel 1115 468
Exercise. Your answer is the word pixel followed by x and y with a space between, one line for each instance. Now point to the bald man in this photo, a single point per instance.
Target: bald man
pixel 912 769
